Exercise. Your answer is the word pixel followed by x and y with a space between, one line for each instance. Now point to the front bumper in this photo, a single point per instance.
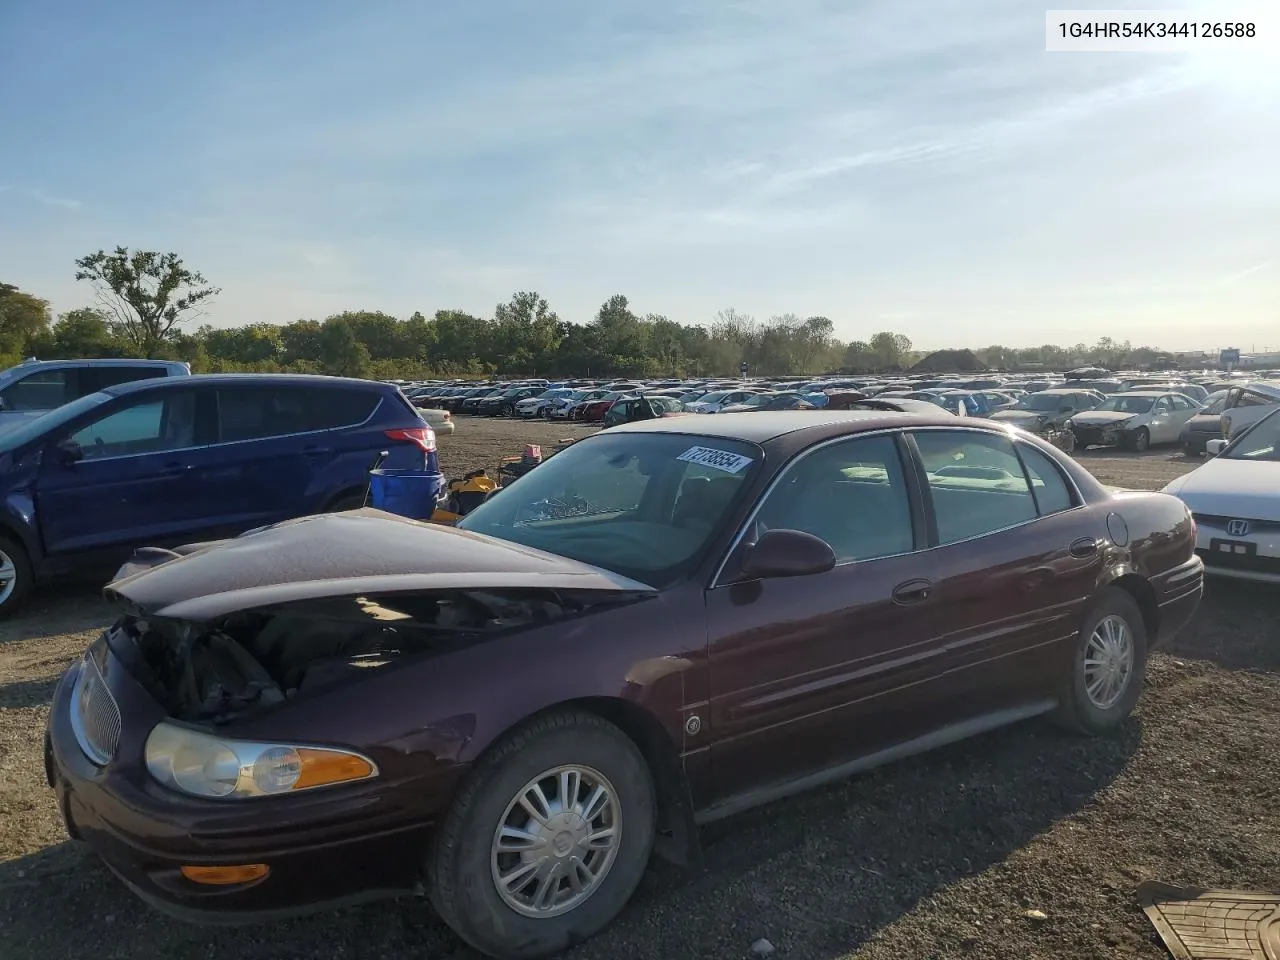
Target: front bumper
pixel 1095 436
pixel 322 850
pixel 1254 556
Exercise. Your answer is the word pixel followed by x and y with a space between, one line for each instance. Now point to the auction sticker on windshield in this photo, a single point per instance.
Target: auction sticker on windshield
pixel 716 459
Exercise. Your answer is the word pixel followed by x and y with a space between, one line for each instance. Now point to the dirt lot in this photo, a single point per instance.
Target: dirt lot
pixel 934 857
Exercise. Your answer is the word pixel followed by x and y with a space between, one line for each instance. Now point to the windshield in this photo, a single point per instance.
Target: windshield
pixel 713 397
pixel 37 427
pixel 645 506
pixel 1126 404
pixel 1215 402
pixel 1261 442
pixel 1043 402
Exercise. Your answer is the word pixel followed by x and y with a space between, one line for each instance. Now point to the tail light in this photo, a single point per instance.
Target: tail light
pixel 422 437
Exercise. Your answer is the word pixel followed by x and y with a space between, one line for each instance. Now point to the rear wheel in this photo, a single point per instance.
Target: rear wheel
pixel 546 841
pixel 16 576
pixel 1104 680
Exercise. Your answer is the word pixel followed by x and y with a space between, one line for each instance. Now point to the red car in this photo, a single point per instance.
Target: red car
pixel 594 410
pixel 664 624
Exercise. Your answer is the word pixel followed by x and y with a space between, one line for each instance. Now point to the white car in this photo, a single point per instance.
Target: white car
pixel 539 406
pixel 1247 404
pixel 1235 500
pixel 715 402
pixel 1134 420
pixel 441 420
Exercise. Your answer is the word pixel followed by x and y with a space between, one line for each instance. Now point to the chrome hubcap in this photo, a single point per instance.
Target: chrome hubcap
pixel 8 576
pixel 1108 662
pixel 556 841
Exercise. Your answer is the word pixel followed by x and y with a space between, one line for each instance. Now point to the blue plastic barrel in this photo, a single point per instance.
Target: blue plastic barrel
pixel 408 493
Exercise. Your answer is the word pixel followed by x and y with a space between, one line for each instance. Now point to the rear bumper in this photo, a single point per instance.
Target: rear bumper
pixel 331 851
pixel 1178 595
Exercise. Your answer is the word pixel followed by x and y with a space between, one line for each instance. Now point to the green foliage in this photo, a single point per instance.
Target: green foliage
pixel 147 293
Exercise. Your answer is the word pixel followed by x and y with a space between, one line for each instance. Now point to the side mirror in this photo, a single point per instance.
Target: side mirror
pixel 68 452
pixel 787 553
pixel 1215 447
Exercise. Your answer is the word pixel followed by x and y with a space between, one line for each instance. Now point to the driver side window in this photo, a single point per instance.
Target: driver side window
pixel 156 426
pixel 852 494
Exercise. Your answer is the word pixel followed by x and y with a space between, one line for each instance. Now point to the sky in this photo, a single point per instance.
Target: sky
pixel 921 167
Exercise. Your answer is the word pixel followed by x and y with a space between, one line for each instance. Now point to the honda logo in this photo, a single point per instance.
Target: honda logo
pixel 1237 528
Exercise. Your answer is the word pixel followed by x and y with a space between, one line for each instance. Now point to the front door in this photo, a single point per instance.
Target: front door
pixel 134 483
pixel 809 671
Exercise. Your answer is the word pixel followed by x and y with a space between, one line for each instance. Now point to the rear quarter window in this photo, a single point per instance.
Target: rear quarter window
pixel 334 409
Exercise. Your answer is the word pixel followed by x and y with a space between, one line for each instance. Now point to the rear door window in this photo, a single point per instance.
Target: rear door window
pixel 976 482
pixel 258 412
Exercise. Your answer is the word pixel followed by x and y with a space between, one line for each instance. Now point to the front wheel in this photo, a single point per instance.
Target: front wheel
pixel 1141 440
pixel 506 410
pixel 546 841
pixel 16 576
pixel 1110 660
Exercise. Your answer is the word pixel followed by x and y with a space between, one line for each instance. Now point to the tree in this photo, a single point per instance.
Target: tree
pixel 341 352
pixel 84 333
pixel 23 318
pixel 147 293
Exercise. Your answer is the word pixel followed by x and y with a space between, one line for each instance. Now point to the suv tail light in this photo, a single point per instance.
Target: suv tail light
pixel 423 437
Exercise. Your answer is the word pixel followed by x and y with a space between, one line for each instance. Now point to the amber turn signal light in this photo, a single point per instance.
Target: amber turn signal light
pixel 222 876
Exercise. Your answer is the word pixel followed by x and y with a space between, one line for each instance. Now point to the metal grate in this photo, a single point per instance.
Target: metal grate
pixel 95 718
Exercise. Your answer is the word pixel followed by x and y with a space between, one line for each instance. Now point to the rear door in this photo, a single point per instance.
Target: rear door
pixel 1017 558
pixel 260 466
pixel 135 483
pixel 809 671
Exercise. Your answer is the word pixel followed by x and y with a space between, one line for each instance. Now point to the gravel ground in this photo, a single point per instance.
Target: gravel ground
pixel 940 856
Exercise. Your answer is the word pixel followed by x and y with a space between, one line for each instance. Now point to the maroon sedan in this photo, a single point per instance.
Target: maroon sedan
pixel 664 624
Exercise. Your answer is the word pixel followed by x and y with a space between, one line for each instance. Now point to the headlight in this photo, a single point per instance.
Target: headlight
pixel 1069 425
pixel 201 765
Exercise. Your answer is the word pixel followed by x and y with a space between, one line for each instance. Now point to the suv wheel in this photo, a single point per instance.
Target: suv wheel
pixel 546 841
pixel 16 576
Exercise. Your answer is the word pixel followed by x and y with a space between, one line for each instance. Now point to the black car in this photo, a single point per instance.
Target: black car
pixel 503 402
pixel 1048 409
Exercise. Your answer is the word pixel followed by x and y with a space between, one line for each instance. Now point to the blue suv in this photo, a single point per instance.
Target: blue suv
pixel 177 460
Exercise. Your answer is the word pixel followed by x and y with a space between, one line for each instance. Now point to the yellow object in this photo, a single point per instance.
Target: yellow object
pixel 223 876
pixel 329 766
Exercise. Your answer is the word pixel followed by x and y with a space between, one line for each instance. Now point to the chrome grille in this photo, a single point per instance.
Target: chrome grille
pixel 95 718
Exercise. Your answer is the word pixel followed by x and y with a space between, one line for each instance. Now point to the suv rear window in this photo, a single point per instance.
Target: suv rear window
pixel 102 377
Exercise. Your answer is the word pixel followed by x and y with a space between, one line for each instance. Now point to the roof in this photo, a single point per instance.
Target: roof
pixel 261 379
pixel 1270 388
pixel 768 424
pixel 1146 393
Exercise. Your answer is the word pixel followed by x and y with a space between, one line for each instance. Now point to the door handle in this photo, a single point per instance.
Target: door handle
pixel 913 591
pixel 314 451
pixel 1084 547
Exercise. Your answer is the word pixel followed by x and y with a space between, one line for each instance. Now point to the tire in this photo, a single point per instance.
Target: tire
pixel 507 410
pixel 1140 442
pixel 1077 710
pixel 1190 450
pixel 462 864
pixel 15 567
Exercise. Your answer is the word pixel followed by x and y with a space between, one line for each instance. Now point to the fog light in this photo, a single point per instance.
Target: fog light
pixel 222 876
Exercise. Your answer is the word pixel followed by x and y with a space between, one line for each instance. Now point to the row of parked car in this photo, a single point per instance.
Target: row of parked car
pixel 1096 408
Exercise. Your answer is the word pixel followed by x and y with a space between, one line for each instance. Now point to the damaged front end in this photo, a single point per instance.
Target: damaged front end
pixel 255 659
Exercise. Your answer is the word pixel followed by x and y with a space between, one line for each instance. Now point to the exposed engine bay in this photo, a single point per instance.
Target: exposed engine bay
pixel 255 659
